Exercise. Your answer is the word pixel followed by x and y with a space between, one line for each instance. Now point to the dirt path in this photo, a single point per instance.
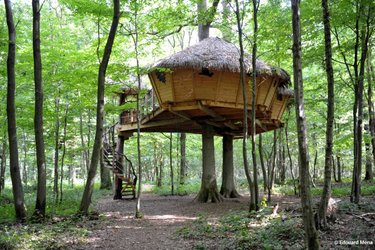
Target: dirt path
pixel 163 216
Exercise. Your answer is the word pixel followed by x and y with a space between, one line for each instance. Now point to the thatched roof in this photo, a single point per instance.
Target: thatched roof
pixel 217 54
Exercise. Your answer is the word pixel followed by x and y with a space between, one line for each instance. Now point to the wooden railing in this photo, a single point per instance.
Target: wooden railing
pixel 147 105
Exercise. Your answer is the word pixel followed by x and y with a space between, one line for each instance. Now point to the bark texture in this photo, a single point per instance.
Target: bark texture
pixel 15 174
pixel 89 187
pixel 369 168
pixel 252 205
pixel 253 105
pixel 40 205
pixel 311 234
pixel 228 189
pixel 208 189
pixel 183 167
pixel 323 205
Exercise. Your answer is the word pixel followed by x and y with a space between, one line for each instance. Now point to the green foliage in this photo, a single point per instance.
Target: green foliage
pixel 69 205
pixel 241 230
pixel 49 235
pixel 186 189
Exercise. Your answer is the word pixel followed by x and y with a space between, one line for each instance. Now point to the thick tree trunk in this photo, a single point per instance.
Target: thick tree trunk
pixel 323 205
pixel 183 168
pixel 228 189
pixel 40 205
pixel 11 114
pixel 89 187
pixel 203 28
pixel 205 18
pixel 208 189
pixel 311 234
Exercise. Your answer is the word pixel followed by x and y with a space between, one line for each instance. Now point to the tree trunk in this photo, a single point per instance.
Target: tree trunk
pixel 171 163
pixel 183 169
pixel 264 171
pixel 64 150
pixel 271 171
pixel 40 205
pixel 334 170
pixel 228 189
pixel 315 175
pixel 24 170
pixel 338 168
pixel 84 152
pixel 363 32
pixel 311 234
pixel 203 28
pixel 369 173
pixel 281 159
pixel 253 105
pixel 105 175
pixel 57 147
pixel 289 154
pixel 205 18
pixel 253 205
pixel 323 205
pixel 208 189
pixel 89 187
pixel 2 165
pixel 11 114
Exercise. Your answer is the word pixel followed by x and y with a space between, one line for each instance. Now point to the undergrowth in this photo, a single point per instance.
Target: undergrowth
pixel 186 189
pixel 338 189
pixel 243 230
pixel 60 228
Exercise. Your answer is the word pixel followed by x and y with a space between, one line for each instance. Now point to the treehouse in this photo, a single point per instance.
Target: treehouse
pixel 201 85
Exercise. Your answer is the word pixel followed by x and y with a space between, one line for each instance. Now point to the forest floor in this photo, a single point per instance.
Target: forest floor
pixel 175 222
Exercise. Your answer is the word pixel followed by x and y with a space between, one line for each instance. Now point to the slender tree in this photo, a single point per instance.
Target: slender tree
pixel 15 174
pixel 323 205
pixel 311 234
pixel 261 157
pixel 57 148
pixel 40 205
pixel 3 164
pixel 89 187
pixel 253 104
pixel 369 172
pixel 183 167
pixel 363 30
pixel 245 113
